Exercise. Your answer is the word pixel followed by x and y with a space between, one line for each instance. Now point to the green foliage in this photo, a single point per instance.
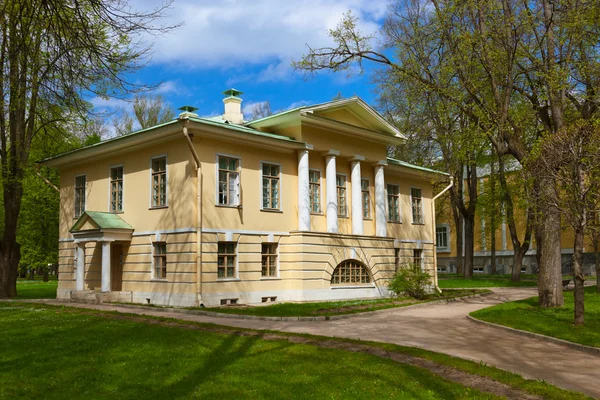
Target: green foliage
pixel 148 111
pixel 410 281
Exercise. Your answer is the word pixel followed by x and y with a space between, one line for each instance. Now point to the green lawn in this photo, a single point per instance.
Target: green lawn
pixel 52 354
pixel 55 352
pixel 556 322
pixel 337 307
pixel 37 289
pixel 481 282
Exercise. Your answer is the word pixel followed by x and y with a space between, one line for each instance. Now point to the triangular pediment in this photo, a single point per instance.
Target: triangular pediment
pixel 98 220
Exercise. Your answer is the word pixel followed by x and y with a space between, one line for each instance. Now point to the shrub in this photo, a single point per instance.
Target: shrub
pixel 411 281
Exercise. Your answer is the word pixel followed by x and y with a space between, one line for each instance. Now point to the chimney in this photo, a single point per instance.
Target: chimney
pixel 233 106
pixel 188 111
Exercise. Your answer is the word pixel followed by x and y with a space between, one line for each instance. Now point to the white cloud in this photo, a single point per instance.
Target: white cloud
pixel 168 87
pixel 110 105
pixel 227 33
pixel 297 104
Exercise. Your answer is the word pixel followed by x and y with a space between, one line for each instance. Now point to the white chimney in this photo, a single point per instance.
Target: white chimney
pixel 233 106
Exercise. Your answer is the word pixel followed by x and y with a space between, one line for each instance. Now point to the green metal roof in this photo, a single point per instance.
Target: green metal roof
pixel 417 167
pixel 232 93
pixel 241 128
pixel 104 220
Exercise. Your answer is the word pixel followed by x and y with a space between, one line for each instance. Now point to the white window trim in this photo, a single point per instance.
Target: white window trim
pixel 448 248
pixel 320 190
pixel 110 168
pixel 237 263
pixel 239 171
pixel 347 215
pixel 84 192
pixel 150 206
pixel 370 217
pixel 422 207
pixel 153 277
pixel 387 204
pixel 280 209
pixel 276 276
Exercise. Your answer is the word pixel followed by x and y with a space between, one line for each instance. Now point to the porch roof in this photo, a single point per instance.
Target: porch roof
pixel 92 220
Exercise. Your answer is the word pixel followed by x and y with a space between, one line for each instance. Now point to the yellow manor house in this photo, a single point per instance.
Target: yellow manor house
pixel 298 206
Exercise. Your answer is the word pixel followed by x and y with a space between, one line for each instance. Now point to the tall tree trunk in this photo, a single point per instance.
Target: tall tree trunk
pixel 550 279
pixel 493 220
pixel 469 247
pixel 518 256
pixel 578 277
pixel 458 223
pixel 597 262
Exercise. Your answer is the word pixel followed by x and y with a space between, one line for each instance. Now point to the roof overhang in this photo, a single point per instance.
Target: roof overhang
pixel 102 235
pixel 406 169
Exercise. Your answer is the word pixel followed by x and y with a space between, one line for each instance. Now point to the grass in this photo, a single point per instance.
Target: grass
pixel 36 289
pixel 61 352
pixel 481 282
pixel 555 322
pixel 330 308
pixel 81 356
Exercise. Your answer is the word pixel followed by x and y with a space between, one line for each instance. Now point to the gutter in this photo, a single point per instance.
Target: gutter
pixel 433 236
pixel 198 211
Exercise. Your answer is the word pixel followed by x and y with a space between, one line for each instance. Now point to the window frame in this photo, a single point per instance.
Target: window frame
pixel 75 188
pixel 152 206
pixel 275 255
pixel 418 256
pixel 279 190
pixel 422 214
pixel 235 261
pixel 398 196
pixel 448 247
pixel 345 187
pixel 351 284
pixel 110 181
pixel 320 183
pixel 362 193
pixel 239 172
pixel 162 256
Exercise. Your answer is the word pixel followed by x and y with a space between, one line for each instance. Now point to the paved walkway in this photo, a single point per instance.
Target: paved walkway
pixel 442 328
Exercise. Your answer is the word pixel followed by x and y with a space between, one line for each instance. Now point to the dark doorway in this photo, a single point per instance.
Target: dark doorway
pixel 116 267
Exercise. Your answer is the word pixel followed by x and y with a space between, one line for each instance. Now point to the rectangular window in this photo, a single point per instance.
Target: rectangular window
pixel 418 259
pixel 79 195
pixel 270 186
pixel 314 178
pixel 160 260
pixel 366 198
pixel 393 196
pixel 226 260
pixel 340 181
pixel 441 234
pixel 116 189
pixel 417 205
pixel 159 182
pixel 229 181
pixel 269 259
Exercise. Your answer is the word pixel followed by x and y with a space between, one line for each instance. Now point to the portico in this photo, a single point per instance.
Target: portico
pixel 109 231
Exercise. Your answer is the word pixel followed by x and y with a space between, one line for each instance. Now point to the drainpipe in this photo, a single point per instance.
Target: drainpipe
pixel 198 212
pixel 433 235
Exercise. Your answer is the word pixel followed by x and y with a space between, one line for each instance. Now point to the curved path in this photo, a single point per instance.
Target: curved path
pixel 442 328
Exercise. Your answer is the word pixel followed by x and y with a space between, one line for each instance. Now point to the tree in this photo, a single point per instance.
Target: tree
pixel 148 111
pixel 517 70
pixel 52 53
pixel 260 110
pixel 572 159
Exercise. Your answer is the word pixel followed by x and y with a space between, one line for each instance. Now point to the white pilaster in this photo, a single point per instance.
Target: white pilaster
pixel 332 205
pixel 380 211
pixel 106 266
pixel 80 271
pixel 303 192
pixel 357 214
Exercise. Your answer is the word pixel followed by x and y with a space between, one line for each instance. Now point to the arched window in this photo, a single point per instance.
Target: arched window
pixel 350 272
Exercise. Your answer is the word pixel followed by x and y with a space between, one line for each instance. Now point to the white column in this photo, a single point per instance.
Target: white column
pixel 332 205
pixel 357 214
pixel 303 192
pixel 106 266
pixel 80 271
pixel 380 211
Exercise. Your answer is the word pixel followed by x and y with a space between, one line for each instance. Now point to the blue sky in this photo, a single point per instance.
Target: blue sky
pixel 248 45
